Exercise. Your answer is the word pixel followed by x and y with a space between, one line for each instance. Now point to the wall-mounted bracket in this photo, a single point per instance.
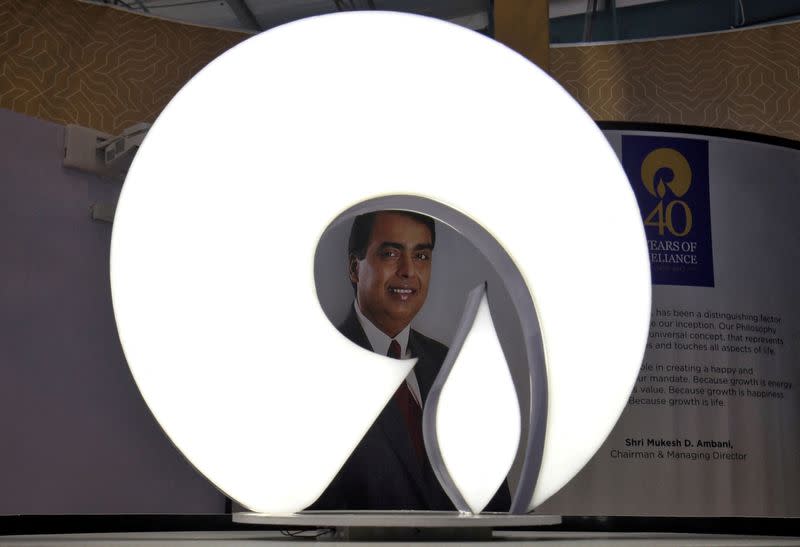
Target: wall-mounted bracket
pixel 102 211
pixel 100 153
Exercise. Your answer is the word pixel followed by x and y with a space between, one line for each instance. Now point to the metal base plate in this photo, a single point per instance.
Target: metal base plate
pixel 441 525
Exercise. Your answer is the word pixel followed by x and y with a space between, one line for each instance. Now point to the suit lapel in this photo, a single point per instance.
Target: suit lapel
pixel 426 370
pixel 351 328
pixel 390 421
pixel 393 427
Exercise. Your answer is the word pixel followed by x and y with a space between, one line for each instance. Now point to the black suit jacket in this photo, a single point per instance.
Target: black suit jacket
pixel 383 472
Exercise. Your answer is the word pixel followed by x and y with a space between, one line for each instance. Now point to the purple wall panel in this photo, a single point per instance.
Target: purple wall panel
pixel 75 435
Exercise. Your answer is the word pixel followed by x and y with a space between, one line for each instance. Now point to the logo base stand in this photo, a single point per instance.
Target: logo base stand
pixel 397 525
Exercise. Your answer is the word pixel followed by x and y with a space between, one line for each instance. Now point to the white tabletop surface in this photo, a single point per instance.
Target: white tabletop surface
pixel 255 538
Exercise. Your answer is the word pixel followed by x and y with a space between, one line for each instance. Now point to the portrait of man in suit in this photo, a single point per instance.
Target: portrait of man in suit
pixel 389 263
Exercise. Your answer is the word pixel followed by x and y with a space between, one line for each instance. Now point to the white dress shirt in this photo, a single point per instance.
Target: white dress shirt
pixel 380 344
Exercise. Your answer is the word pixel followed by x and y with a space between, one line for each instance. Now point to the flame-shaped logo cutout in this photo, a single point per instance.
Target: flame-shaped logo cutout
pixel 666 158
pixel 472 445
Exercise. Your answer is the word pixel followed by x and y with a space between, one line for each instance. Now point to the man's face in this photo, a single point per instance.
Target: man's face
pixel 392 278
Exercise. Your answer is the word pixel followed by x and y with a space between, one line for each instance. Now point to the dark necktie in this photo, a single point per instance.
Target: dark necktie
pixel 409 408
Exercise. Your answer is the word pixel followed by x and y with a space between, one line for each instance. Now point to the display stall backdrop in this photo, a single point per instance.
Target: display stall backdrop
pixel 711 429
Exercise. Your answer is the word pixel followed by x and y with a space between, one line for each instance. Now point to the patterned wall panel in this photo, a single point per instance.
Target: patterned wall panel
pixel 71 62
pixel 747 80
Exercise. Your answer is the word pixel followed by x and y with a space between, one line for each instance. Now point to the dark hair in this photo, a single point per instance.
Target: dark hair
pixel 362 230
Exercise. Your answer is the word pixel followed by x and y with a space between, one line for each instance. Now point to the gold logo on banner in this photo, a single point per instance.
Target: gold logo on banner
pixel 663 215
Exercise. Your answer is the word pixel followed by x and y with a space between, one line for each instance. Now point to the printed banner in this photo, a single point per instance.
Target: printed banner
pixel 670 179
pixel 712 426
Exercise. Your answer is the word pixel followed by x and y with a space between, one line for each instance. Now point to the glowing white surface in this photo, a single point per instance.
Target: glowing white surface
pixel 478 422
pixel 216 227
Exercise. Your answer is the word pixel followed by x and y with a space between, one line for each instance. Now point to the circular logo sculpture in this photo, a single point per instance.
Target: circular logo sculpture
pixel 212 258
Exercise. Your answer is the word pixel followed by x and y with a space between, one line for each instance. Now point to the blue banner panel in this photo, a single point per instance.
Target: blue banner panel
pixel 670 179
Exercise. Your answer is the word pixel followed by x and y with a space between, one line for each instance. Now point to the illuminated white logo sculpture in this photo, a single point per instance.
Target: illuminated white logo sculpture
pixel 217 225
